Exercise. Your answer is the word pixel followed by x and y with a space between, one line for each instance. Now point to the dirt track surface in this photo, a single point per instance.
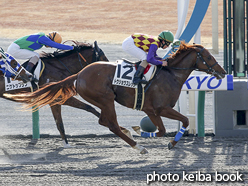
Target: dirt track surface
pixel 106 160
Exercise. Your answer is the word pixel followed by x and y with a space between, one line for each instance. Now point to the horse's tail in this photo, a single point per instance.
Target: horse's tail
pixel 53 93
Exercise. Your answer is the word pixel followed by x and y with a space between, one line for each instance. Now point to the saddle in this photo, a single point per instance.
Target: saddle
pixel 136 64
pixel 124 74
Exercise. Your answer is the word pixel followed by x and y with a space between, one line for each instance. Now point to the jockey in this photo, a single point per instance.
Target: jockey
pixel 24 47
pixel 144 47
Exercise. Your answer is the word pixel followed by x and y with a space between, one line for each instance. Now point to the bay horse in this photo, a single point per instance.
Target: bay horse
pixel 58 66
pixel 94 84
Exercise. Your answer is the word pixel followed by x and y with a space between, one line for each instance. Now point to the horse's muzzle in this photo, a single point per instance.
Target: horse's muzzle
pixel 219 75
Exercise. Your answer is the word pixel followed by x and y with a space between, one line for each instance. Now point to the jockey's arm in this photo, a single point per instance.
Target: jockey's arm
pixel 152 56
pixel 48 42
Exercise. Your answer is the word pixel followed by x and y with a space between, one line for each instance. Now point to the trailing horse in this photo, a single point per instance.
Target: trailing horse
pixel 58 66
pixel 94 84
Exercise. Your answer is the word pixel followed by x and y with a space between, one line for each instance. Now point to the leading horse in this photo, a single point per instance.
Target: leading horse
pixel 94 84
pixel 58 66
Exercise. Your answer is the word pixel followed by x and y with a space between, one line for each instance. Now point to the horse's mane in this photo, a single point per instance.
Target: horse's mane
pixel 183 48
pixel 59 54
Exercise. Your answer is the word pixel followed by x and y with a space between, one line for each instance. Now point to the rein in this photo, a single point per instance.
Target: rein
pixel 79 59
pixel 64 65
pixel 18 72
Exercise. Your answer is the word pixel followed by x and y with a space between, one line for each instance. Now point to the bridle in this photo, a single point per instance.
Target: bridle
pixel 97 53
pixel 199 58
pixel 210 68
pixel 17 72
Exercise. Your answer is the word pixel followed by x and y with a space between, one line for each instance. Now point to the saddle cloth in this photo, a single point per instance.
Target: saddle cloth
pixel 125 71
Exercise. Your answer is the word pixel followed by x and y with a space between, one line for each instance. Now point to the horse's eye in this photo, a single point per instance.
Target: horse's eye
pixel 209 57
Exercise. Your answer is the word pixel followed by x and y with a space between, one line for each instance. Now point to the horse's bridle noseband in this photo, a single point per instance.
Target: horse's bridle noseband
pixel 210 68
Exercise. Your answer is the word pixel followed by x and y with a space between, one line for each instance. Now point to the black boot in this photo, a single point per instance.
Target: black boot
pixel 30 67
pixel 138 76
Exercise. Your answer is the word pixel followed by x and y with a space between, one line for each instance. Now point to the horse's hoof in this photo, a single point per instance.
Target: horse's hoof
pixel 67 146
pixel 127 133
pixel 170 146
pixel 136 129
pixel 144 151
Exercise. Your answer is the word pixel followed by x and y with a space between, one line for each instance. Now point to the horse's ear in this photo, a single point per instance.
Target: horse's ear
pixel 96 46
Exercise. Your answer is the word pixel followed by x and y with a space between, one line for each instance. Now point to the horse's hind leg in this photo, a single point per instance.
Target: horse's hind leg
pixel 108 118
pixel 56 110
pixel 104 123
pixel 73 102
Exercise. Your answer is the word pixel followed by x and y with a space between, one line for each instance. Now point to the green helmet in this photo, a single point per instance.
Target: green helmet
pixel 166 36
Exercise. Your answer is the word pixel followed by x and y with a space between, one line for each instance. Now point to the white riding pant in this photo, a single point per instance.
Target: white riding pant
pixel 129 47
pixel 19 53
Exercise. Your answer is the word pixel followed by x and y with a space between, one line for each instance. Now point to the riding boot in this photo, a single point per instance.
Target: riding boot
pixel 30 67
pixel 139 75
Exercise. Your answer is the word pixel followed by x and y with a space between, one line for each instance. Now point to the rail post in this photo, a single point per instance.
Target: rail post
pixel 36 126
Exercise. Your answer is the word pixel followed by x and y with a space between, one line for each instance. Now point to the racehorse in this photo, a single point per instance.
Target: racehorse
pixel 11 68
pixel 94 84
pixel 58 66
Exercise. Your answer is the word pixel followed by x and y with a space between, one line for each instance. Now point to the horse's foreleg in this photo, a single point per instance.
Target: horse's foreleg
pixel 56 110
pixel 173 114
pixel 73 102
